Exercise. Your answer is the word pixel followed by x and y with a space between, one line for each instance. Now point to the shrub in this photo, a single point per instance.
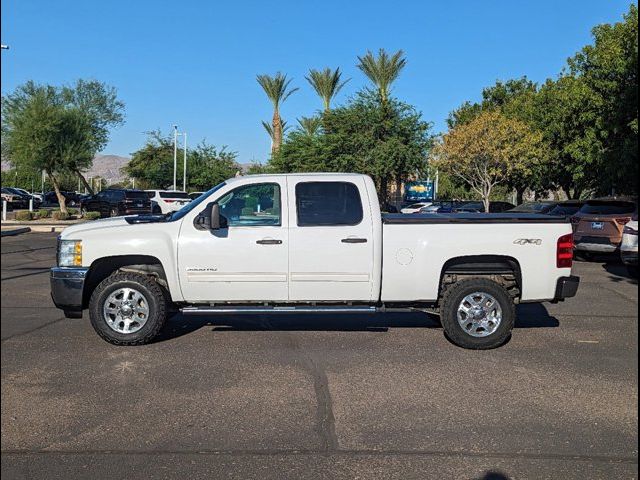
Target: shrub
pixel 72 211
pixel 43 213
pixel 24 215
pixel 91 215
pixel 59 215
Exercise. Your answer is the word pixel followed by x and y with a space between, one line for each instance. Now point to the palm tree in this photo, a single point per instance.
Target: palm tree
pixel 309 125
pixel 277 89
pixel 382 70
pixel 269 128
pixel 326 83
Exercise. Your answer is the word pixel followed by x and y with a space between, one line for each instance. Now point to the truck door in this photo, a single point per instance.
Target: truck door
pixel 331 240
pixel 246 261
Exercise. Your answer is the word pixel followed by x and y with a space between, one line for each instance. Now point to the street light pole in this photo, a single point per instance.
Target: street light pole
pixel 184 169
pixel 175 154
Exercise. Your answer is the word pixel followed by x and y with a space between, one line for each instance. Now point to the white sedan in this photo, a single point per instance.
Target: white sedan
pixel 415 207
pixel 166 201
pixel 629 247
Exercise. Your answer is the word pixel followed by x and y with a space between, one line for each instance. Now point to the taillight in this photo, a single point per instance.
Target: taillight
pixel 623 220
pixel 564 252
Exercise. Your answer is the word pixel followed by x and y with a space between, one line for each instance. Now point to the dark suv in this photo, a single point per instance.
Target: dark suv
pixel 114 202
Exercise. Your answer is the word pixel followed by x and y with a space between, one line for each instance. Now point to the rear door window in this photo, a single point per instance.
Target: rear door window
pixel 328 204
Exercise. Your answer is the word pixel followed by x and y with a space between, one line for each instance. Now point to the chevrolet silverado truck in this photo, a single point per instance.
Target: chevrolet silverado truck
pixel 310 243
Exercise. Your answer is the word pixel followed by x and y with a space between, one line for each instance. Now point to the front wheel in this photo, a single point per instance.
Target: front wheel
pixel 477 314
pixel 128 309
pixel 113 212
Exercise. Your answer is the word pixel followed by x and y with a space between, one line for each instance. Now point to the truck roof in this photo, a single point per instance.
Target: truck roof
pixel 304 174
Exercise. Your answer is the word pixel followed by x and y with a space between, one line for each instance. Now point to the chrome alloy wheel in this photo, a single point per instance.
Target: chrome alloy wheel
pixel 479 314
pixel 126 310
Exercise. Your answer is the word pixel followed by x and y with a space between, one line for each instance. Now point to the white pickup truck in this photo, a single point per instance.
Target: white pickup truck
pixel 310 243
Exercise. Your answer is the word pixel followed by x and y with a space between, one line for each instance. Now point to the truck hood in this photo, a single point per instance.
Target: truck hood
pixel 90 225
pixel 109 224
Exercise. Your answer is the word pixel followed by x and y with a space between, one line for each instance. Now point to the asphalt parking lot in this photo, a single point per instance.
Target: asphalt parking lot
pixel 379 396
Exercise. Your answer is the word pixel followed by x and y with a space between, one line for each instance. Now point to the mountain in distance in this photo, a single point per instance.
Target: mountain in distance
pixel 108 167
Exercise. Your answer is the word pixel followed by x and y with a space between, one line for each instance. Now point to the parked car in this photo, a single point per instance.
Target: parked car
pixel 478 207
pixel 534 207
pixel 165 201
pixel 14 199
pixel 37 197
pixel 310 243
pixel 194 195
pixel 114 202
pixel 415 207
pixel 629 246
pixel 567 208
pixel 443 206
pixel 598 225
pixel 51 199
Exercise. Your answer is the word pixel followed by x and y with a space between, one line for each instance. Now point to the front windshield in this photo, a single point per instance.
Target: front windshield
pixel 194 203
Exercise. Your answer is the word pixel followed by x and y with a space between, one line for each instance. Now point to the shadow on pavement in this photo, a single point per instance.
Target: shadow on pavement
pixel 493 476
pixel 619 273
pixel 530 316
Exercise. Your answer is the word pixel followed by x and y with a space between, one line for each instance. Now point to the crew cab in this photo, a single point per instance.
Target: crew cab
pixel 310 243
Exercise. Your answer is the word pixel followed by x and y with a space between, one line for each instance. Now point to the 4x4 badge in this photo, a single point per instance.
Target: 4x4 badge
pixel 528 241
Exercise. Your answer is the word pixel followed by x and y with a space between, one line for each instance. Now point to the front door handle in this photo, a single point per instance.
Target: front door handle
pixel 354 240
pixel 269 241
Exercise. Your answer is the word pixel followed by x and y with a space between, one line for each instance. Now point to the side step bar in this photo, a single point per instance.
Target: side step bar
pixel 282 309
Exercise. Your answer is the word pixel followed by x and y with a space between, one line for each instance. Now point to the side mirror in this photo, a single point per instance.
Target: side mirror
pixel 214 217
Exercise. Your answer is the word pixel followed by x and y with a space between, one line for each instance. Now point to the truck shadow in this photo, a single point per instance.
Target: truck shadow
pixel 529 316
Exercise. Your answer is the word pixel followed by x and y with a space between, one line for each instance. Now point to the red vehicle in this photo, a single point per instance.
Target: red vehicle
pixel 598 225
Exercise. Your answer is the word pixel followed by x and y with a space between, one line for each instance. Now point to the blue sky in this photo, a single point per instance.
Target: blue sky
pixel 194 62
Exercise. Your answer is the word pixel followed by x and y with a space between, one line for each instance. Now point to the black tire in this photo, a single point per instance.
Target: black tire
pixel 156 299
pixel 113 212
pixel 454 296
pixel 633 270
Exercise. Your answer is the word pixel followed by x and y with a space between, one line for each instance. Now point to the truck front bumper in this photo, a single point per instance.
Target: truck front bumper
pixel 67 287
pixel 566 287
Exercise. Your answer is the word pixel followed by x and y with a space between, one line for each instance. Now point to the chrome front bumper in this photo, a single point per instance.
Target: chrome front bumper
pixel 67 287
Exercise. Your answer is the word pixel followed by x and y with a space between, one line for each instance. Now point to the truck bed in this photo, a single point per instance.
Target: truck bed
pixel 439 218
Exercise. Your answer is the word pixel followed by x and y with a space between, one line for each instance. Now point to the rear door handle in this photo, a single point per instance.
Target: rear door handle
pixel 269 241
pixel 354 240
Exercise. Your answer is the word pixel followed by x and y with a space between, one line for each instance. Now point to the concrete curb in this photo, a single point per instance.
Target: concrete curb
pixel 15 231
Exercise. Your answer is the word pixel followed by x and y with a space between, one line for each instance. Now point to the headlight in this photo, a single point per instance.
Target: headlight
pixel 70 253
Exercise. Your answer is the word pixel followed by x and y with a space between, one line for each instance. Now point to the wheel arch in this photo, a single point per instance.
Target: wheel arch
pixel 101 268
pixel 502 268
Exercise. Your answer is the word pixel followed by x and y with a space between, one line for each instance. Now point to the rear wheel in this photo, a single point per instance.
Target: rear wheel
pixel 633 270
pixel 477 313
pixel 113 212
pixel 128 309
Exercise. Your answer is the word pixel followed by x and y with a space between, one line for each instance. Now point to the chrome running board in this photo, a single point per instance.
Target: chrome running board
pixel 206 310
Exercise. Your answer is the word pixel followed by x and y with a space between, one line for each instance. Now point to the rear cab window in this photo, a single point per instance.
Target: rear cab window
pixel 608 208
pixel 328 204
pixel 180 195
pixel 136 195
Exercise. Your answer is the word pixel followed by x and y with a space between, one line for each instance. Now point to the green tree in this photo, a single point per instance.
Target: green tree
pixel 566 113
pixel 102 110
pixel 327 84
pixel 382 70
pixel 609 68
pixel 487 151
pixel 388 142
pixel 42 133
pixel 277 90
pixel 152 165
pixel 513 98
pixel 310 125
